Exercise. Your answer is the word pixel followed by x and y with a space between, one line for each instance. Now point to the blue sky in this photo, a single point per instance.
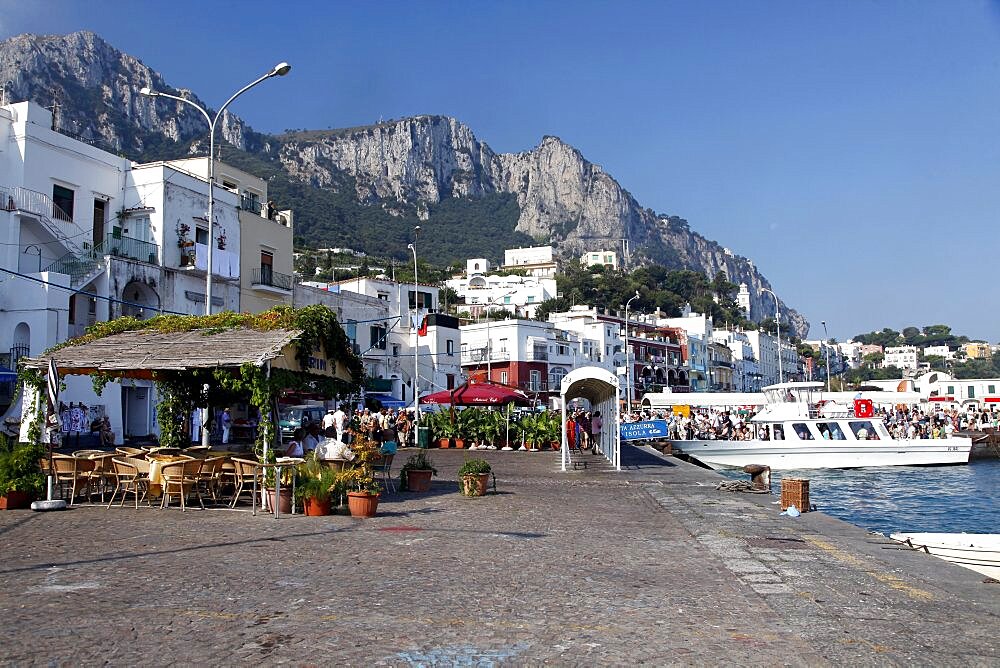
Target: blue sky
pixel 851 149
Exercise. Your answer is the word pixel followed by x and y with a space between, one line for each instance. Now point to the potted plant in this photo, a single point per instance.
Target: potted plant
pixel 314 486
pixel 474 477
pixel 362 499
pixel 442 428
pixel 21 479
pixel 415 475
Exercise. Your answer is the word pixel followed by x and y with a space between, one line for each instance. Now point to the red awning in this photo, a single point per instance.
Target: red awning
pixel 941 399
pixel 478 394
pixel 992 400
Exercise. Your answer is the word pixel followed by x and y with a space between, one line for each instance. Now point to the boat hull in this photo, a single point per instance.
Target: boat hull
pixel 977 552
pixel 827 454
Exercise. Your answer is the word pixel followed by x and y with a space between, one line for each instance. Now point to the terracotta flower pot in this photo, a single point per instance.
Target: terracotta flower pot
pixel 475 485
pixel 316 507
pixel 14 500
pixel 362 504
pixel 444 442
pixel 459 442
pixel 418 480
pixel 284 503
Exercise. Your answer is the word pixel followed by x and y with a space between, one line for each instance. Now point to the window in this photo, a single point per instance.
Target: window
pixel 863 430
pixel 503 345
pixel 201 236
pixel 62 203
pixel 556 375
pixel 991 389
pixel 384 296
pixel 506 300
pixel 972 391
pixel 831 431
pixel 951 390
pixel 378 336
pixel 535 380
pixel 503 377
pixel 449 381
pixel 449 347
pixel 423 299
pixel 802 431
pixel 72 309
pixel 531 299
pixel 395 350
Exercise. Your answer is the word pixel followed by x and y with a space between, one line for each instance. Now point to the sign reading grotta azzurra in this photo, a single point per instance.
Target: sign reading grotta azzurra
pixel 632 431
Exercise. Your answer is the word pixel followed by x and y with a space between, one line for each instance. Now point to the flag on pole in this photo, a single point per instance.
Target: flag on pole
pixel 52 404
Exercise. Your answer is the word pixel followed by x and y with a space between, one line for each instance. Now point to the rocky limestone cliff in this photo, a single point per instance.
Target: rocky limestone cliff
pixel 563 198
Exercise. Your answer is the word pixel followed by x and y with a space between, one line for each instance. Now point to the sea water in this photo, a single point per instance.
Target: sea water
pixel 888 499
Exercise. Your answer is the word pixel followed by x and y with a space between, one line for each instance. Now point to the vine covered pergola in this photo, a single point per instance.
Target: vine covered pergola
pixel 198 361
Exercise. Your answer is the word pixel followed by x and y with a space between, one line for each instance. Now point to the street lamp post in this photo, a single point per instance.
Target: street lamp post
pixel 777 320
pixel 416 344
pixel 826 345
pixel 489 341
pixel 281 69
pixel 628 365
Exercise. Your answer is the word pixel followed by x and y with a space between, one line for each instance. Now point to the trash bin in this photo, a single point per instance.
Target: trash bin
pixel 423 437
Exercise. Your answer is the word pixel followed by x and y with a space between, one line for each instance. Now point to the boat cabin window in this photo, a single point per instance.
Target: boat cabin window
pixel 831 431
pixel 802 431
pixel 779 432
pixel 864 430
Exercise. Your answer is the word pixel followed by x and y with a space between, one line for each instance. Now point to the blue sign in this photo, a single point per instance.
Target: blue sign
pixel 632 431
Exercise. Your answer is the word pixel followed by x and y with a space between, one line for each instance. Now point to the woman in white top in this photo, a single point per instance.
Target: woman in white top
pixel 294 448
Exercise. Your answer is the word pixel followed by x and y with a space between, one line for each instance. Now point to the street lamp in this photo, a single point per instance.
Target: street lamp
pixel 279 70
pixel 489 341
pixel 777 320
pixel 628 366
pixel 826 345
pixel 416 343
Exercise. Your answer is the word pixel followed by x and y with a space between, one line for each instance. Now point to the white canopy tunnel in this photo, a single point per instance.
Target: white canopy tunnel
pixel 600 388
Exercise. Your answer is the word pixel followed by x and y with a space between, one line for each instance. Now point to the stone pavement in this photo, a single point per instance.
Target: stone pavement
pixel 651 565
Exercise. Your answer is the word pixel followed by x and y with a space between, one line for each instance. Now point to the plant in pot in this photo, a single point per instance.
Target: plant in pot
pixel 21 479
pixel 443 428
pixel 494 423
pixel 471 422
pixel 474 477
pixel 415 475
pixel 314 486
pixel 363 488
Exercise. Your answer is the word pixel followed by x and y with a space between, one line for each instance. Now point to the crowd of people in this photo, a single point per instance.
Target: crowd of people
pixel 902 422
pixel 331 437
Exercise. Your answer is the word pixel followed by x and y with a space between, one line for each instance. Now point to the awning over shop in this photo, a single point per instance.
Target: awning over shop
pixel 387 400
pixel 137 354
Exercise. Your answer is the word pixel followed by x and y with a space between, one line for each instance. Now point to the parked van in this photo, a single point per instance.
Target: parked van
pixel 293 417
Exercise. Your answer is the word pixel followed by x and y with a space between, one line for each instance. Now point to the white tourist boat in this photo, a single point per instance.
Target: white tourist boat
pixel 977 551
pixel 795 431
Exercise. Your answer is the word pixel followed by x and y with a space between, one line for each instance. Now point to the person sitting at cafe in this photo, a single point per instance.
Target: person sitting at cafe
pixel 333 448
pixel 294 448
pixel 311 438
pixel 107 435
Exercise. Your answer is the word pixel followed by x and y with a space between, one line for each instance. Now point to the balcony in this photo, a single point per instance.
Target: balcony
pixel 378 384
pixel 528 386
pixel 267 280
pixel 538 355
pixel 128 248
pixel 477 355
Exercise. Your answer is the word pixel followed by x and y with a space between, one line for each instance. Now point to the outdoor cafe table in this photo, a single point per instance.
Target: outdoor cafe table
pixel 277 465
pixel 156 463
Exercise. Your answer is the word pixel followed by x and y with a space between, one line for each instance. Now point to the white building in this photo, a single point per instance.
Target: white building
pixel 901 357
pixel 699 335
pixel 939 351
pixel 382 318
pixel 746 371
pixel 537 261
pixel 600 258
pixel 483 291
pixel 89 236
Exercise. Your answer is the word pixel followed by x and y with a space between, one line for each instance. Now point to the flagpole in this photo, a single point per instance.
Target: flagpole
pixel 52 427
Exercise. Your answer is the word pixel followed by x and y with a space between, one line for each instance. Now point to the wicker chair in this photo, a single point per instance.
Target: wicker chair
pixel 210 476
pixel 102 474
pixel 246 473
pixel 132 477
pixel 182 477
pixel 130 452
pixel 72 473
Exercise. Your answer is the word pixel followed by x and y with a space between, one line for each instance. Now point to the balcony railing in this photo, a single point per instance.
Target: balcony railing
pixel 270 278
pixel 129 248
pixel 21 199
pixel 540 386
pixel 538 355
pixel 251 204
pixel 477 355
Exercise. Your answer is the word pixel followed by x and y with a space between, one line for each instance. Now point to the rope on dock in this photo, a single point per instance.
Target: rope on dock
pixel 740 486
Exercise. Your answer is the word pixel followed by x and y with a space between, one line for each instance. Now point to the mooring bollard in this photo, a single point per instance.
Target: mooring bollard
pixel 760 476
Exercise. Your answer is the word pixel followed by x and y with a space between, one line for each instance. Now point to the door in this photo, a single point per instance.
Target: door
pixel 100 211
pixel 136 414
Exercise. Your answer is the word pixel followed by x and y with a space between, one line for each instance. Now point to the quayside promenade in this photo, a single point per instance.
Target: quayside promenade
pixel 648 566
